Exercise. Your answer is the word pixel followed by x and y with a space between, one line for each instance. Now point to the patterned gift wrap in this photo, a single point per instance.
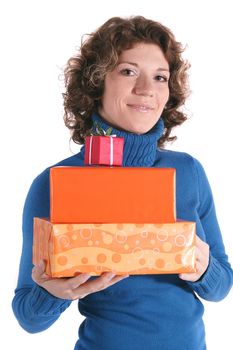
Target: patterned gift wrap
pixel 70 249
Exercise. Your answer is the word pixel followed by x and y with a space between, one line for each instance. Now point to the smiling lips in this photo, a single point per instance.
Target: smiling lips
pixel 141 108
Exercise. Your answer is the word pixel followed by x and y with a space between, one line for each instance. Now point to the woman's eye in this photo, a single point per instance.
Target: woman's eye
pixel 128 72
pixel 161 78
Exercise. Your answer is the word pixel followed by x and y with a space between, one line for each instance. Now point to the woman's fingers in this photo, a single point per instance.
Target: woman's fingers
pixel 201 263
pixel 102 282
pixel 75 287
pixel 93 286
pixel 38 272
pixel 75 282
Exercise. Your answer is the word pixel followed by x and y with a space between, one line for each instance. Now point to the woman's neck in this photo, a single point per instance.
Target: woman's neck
pixel 139 149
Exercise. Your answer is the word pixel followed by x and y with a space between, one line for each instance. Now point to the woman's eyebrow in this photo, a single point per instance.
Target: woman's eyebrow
pixel 160 69
pixel 163 69
pixel 132 63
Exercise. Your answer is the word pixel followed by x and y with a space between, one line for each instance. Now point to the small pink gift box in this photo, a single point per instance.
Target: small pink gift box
pixel 104 150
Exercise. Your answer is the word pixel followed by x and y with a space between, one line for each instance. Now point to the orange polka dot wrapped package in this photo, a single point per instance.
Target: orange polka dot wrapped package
pixel 70 249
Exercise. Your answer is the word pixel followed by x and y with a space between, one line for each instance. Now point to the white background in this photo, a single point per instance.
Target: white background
pixel 37 38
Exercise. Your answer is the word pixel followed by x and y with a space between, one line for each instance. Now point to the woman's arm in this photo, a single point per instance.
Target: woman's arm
pixel 217 280
pixel 39 300
pixel 35 308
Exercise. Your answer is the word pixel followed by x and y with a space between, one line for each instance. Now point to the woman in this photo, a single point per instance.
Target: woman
pixel 130 75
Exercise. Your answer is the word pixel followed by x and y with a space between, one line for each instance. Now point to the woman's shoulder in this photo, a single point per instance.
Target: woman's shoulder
pixel 74 160
pixel 178 156
pixel 179 159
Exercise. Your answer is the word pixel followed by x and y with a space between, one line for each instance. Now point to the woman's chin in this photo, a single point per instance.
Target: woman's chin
pixel 139 130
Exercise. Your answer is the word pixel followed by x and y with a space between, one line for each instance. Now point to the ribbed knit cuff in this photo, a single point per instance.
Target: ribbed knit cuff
pixel 210 280
pixel 44 303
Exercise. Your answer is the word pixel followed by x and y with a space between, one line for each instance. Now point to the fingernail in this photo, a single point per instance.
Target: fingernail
pixel 41 263
pixel 111 275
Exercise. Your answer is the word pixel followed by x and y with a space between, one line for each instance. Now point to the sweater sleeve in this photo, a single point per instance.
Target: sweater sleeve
pixel 35 308
pixel 217 281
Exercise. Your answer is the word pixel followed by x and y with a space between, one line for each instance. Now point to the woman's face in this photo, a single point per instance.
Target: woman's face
pixel 136 91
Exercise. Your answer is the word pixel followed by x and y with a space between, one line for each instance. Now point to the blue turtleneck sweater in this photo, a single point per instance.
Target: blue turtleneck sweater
pixel 147 312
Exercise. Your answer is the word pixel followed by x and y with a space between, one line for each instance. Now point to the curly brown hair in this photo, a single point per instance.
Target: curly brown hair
pixel 85 73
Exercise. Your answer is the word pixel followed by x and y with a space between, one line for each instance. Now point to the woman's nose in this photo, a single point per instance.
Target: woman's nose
pixel 144 87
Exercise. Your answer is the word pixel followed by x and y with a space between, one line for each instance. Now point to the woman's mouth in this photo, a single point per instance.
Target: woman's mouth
pixel 140 108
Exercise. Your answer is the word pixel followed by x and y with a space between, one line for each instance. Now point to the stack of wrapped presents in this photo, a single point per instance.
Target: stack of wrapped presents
pixel 105 217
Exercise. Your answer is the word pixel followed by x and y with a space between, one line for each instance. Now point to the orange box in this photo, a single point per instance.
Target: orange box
pixel 112 194
pixel 70 249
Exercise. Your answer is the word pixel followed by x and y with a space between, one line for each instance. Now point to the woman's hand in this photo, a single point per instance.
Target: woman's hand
pixel 202 261
pixel 74 287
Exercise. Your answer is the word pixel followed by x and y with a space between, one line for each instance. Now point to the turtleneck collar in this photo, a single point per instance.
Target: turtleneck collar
pixel 139 150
